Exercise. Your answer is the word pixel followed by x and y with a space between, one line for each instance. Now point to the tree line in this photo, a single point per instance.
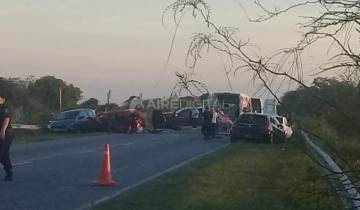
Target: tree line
pixel 38 100
pixel 332 101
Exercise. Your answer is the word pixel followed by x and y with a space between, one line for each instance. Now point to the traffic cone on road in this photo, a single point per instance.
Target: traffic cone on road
pixel 105 176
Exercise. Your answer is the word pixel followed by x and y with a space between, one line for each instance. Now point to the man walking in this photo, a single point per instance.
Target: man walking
pixel 5 138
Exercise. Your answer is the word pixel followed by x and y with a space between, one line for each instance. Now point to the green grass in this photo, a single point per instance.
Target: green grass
pixel 344 148
pixel 241 176
pixel 31 136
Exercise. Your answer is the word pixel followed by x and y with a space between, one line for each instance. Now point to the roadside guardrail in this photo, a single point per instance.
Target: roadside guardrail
pixel 26 127
pixel 336 173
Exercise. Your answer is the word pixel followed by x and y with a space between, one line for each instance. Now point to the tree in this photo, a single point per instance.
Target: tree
pixel 91 103
pixel 189 85
pixel 107 107
pixel 339 93
pixel 47 89
pixel 14 93
pixel 337 22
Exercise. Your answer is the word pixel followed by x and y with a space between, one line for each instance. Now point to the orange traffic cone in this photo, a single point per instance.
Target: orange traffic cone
pixel 105 177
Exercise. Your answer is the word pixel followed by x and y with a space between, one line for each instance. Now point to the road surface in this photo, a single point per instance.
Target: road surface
pixel 57 175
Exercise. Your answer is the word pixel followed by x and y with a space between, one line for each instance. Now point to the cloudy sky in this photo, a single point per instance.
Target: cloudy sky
pixel 123 45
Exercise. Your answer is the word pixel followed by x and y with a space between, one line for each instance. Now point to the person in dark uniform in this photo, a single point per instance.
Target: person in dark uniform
pixel 206 126
pixel 5 138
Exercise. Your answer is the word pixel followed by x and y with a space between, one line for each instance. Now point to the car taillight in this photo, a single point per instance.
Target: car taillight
pixel 268 126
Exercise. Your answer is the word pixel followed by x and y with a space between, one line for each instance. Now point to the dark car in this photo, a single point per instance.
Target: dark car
pixel 257 128
pixel 75 120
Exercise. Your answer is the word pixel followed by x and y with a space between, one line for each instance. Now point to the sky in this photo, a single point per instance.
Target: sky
pixel 123 46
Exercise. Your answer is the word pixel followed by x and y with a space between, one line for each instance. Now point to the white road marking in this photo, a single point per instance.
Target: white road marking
pixel 119 169
pixel 47 157
pixel 29 161
pixel 22 163
pixel 65 188
pixel 106 198
pixel 121 145
pixel 85 151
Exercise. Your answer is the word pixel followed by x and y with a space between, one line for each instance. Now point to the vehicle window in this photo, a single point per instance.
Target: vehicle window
pixel 67 115
pixel 252 119
pixel 280 119
pixel 83 114
pixel 184 113
pixel 90 113
pixel 273 120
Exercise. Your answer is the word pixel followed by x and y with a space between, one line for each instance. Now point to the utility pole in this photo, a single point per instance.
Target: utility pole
pixel 108 95
pixel 60 98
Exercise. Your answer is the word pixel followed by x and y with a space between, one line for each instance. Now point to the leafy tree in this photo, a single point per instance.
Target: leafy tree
pixel 47 89
pixel 339 94
pixel 107 107
pixel 71 95
pixel 91 103
pixel 15 94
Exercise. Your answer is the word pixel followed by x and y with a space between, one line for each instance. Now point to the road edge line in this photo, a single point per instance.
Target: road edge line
pixel 106 198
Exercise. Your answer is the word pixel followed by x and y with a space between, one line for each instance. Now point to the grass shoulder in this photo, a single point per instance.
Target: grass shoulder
pixel 241 176
pixel 32 136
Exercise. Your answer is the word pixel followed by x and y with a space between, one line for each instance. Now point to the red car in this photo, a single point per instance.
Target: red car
pixel 122 121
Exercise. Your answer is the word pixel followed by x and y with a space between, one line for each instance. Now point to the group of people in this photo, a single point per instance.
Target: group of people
pixel 209 121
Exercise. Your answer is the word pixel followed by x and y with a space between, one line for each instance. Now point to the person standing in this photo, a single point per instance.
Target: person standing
pixel 214 117
pixel 5 138
pixel 194 117
pixel 206 125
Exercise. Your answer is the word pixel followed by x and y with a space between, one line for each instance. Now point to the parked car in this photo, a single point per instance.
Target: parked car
pixel 285 126
pixel 257 127
pixel 75 120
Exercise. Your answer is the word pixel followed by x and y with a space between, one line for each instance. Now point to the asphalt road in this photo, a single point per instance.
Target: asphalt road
pixel 57 175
